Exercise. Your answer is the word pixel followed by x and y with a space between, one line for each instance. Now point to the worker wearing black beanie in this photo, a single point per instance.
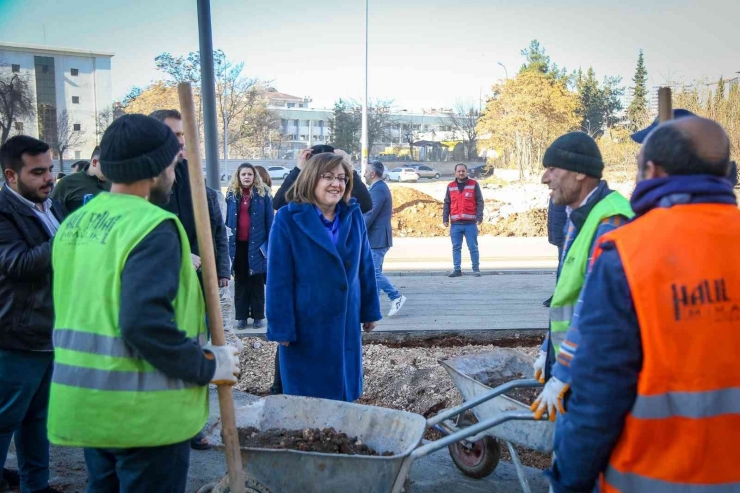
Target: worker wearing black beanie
pixel 136 147
pixel 575 151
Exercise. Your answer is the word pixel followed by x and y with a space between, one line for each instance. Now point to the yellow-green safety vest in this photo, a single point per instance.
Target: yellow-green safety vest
pixel 103 394
pixel 573 270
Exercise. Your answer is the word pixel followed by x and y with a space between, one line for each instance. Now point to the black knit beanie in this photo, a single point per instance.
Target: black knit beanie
pixel 575 151
pixel 135 148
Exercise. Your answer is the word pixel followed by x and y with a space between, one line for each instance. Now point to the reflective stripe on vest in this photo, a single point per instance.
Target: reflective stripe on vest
pixel 682 432
pixel 127 381
pixel 687 404
pixel 462 204
pixel 633 482
pixel 573 270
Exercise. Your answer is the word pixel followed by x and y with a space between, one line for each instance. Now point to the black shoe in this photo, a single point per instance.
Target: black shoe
pixel 456 273
pixel 547 302
pixel 257 323
pixel 275 390
pixel 477 273
pixel 11 478
pixel 197 442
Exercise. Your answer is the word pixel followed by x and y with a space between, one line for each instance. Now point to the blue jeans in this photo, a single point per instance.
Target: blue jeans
pixel 24 403
pixel 470 232
pixel 138 470
pixel 383 283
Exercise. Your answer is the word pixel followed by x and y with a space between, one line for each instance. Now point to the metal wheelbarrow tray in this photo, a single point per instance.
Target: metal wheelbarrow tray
pixel 290 471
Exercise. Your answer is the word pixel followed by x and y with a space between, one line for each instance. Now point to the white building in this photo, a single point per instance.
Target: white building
pixel 78 81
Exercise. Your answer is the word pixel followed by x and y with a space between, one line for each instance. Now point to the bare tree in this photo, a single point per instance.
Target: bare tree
pixel 463 121
pixel 69 136
pixel 16 100
pixel 103 120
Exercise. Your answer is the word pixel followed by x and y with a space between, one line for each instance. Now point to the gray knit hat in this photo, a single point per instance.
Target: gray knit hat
pixel 575 151
pixel 135 148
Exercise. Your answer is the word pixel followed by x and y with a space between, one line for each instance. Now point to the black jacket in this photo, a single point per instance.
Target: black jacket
pixel 359 191
pixel 26 298
pixel 181 205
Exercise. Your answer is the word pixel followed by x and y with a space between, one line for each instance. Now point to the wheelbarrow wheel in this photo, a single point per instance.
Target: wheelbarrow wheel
pixel 476 460
pixel 251 485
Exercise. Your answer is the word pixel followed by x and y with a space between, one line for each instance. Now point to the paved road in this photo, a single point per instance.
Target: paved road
pixel 495 301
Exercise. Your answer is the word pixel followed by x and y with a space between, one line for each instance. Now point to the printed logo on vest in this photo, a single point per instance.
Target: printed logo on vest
pixel 708 299
pixel 87 227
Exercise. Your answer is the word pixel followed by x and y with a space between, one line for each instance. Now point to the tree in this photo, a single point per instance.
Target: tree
pixel 379 121
pixel 160 95
pixel 537 60
pixel 345 127
pixel 637 112
pixel 182 68
pixel 16 100
pixel 525 115
pixel 102 121
pixel 69 136
pixel 464 122
pixel 600 103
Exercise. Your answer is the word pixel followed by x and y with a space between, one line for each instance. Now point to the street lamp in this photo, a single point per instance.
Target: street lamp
pixel 505 71
pixel 365 150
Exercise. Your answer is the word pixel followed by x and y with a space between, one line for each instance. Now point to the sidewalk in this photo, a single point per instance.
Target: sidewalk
pixel 435 254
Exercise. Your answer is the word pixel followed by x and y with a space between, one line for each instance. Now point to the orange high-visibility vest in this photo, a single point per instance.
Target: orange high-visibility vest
pixel 462 204
pixel 683 431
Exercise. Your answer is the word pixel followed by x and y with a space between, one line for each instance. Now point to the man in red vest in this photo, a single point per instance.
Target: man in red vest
pixel 655 402
pixel 464 206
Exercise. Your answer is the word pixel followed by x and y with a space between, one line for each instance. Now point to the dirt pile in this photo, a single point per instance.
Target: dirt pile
pixel 327 441
pixel 528 223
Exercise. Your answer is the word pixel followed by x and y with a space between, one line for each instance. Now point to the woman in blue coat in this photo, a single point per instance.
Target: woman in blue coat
pixel 249 216
pixel 321 289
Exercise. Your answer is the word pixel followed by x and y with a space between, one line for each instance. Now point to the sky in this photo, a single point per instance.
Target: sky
pixel 422 53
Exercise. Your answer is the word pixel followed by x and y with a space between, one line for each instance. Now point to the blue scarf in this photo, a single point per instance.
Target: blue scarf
pixel 682 189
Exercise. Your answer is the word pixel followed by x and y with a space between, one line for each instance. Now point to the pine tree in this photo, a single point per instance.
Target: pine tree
pixel 719 96
pixel 637 112
pixel 591 111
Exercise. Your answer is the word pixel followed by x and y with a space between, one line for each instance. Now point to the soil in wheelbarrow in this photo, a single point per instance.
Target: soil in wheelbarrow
pixel 327 441
pixel 523 395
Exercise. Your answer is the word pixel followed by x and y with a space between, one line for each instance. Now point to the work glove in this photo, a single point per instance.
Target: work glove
pixel 539 366
pixel 227 363
pixel 550 399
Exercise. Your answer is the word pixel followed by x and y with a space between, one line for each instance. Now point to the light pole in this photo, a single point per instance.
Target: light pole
pixel 505 71
pixel 363 157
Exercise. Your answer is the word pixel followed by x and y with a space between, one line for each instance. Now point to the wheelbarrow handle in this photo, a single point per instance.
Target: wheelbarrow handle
pixel 471 430
pixel 465 406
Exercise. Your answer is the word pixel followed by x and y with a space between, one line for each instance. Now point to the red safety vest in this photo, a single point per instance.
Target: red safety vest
pixel 683 431
pixel 462 204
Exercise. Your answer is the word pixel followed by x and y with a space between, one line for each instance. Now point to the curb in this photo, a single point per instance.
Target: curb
pixel 424 273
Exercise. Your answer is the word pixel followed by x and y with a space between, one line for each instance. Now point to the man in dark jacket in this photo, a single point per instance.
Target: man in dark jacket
pixel 77 189
pixel 464 206
pixel 556 219
pixel 181 204
pixel 359 190
pixel 29 219
pixel 379 232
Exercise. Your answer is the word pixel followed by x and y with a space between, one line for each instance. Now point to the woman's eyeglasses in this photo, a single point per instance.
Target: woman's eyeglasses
pixel 329 178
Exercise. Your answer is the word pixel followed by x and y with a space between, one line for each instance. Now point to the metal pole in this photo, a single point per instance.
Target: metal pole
pixel 208 95
pixel 363 159
pixel 505 71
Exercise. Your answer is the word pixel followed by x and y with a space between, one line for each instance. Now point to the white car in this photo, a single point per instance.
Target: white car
pixel 403 174
pixel 278 172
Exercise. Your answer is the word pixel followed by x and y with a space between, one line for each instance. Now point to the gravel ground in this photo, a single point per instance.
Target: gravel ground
pixel 406 378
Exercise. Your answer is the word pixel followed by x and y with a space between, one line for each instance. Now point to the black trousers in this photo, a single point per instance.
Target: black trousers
pixel 249 290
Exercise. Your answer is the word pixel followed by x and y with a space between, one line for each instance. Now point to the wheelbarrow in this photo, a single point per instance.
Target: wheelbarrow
pixel 385 430
pixel 477 456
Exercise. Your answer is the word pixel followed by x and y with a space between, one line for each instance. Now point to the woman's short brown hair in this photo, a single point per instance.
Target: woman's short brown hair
pixel 303 190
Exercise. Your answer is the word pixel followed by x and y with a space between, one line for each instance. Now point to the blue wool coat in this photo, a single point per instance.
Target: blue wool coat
pixel 261 216
pixel 318 294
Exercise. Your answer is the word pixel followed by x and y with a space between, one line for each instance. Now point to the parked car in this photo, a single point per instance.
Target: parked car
pixel 480 171
pixel 278 172
pixel 425 171
pixel 403 174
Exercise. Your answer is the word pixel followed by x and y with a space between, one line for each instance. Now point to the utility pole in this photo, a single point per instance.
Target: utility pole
pixel 505 71
pixel 365 150
pixel 208 94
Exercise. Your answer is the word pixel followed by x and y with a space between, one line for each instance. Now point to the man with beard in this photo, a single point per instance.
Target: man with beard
pixel 130 380
pixel 29 219
pixel 573 168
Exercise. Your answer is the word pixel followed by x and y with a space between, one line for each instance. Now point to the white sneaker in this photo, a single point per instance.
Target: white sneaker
pixel 396 305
